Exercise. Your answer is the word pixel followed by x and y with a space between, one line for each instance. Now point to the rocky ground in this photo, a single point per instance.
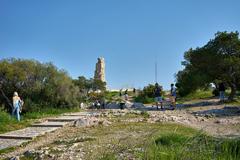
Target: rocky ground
pixel 127 131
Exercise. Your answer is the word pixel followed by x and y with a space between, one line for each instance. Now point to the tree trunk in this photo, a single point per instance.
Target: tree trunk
pixel 233 91
pixel 6 98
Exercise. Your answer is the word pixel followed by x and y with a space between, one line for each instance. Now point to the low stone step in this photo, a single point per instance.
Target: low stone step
pixel 75 115
pixel 61 120
pixel 27 133
pixel 15 137
pixel 64 119
pixel 82 114
pixel 6 143
pixel 50 124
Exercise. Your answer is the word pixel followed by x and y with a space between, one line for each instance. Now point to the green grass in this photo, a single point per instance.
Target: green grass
pixel 76 140
pixel 156 141
pixel 110 96
pixel 235 102
pixel 120 136
pixel 45 112
pixel 179 146
pixel 115 96
pixel 108 156
pixel 199 94
pixel 9 123
pixel 205 94
pixel 7 150
pixel 145 114
pixel 144 100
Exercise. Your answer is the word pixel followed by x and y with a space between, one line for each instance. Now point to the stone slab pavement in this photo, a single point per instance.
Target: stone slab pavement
pixel 18 137
pixel 64 118
pixel 50 124
pixel 7 143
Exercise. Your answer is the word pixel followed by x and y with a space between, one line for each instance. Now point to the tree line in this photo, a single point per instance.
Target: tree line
pixel 216 62
pixel 42 85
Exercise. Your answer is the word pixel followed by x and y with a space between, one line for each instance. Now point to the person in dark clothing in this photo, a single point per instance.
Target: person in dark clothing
pixel 221 92
pixel 134 90
pixel 173 96
pixel 126 94
pixel 120 93
pixel 158 95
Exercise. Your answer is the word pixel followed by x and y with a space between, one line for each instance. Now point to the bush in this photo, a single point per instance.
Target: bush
pixel 147 94
pixel 199 94
pixel 144 99
pixel 110 96
pixel 38 84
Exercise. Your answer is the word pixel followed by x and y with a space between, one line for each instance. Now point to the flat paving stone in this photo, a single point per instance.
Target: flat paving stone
pixel 27 133
pixel 49 124
pixel 18 137
pixel 82 114
pixel 7 143
pixel 65 118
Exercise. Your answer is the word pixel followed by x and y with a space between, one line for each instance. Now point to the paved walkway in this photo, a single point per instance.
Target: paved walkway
pixel 18 137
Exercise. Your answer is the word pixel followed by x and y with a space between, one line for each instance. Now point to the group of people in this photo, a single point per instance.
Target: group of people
pixel 125 94
pixel 99 104
pixel 158 93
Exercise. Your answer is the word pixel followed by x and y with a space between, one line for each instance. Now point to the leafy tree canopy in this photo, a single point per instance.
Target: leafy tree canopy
pixel 217 61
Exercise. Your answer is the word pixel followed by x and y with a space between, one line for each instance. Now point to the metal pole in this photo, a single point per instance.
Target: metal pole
pixel 156 72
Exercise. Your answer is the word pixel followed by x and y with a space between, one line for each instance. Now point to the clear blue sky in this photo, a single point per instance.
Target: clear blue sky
pixel 129 34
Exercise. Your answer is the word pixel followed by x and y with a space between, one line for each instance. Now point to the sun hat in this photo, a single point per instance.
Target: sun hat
pixel 15 94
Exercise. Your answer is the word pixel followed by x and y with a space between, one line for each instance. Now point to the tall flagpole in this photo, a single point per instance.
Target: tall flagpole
pixel 156 72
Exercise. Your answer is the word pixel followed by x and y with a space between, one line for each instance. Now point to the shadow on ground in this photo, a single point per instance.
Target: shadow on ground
pixel 200 104
pixel 220 112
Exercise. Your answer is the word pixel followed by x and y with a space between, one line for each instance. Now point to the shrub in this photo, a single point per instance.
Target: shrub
pixel 144 99
pixel 38 84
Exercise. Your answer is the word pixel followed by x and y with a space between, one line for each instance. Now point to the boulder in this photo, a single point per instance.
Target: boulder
pixel 28 153
pixel 86 122
pixel 15 158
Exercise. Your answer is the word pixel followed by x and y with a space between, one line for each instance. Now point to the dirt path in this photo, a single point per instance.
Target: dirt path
pixel 207 115
pixel 228 126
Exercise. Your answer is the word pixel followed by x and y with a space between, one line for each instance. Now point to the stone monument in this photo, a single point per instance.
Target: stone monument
pixel 100 70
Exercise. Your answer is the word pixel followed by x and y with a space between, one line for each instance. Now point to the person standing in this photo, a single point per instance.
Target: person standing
pixel 120 93
pixel 173 93
pixel 126 94
pixel 17 104
pixel 158 95
pixel 134 91
pixel 222 92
